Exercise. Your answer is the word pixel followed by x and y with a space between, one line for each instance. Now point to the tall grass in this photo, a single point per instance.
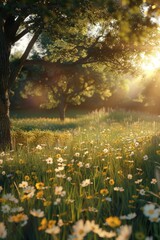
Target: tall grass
pixel 101 170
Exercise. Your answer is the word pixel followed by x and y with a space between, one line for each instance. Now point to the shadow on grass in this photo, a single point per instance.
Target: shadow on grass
pixel 51 127
pixel 54 124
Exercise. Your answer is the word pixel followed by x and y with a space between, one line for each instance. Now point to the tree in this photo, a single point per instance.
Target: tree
pixel 70 73
pixel 68 85
pixel 16 20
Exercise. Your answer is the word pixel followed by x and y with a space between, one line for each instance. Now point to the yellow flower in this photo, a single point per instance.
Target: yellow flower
pixel 51 223
pixel 39 194
pixel 89 197
pixel 111 182
pixel 58 155
pixel 39 185
pixel 47 203
pixel 69 165
pixel 43 224
pixel 113 222
pixel 135 196
pixel 35 177
pixel 25 197
pixel 20 217
pixel 120 172
pixel 21 161
pixel 27 178
pixel 104 191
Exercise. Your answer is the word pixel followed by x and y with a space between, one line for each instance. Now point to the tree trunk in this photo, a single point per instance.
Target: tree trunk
pixel 5 136
pixel 7 78
pixel 62 110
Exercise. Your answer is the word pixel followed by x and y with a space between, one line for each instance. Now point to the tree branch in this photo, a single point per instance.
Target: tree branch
pixel 20 35
pixel 16 71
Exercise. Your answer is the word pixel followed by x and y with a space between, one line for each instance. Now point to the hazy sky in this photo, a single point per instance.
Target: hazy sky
pixel 21 44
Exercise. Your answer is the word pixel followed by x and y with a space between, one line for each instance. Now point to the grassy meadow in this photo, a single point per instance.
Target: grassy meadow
pixel 91 177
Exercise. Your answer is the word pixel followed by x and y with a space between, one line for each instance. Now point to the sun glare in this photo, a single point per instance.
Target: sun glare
pixel 150 63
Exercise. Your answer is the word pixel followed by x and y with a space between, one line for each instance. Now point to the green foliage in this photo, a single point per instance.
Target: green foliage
pixel 69 84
